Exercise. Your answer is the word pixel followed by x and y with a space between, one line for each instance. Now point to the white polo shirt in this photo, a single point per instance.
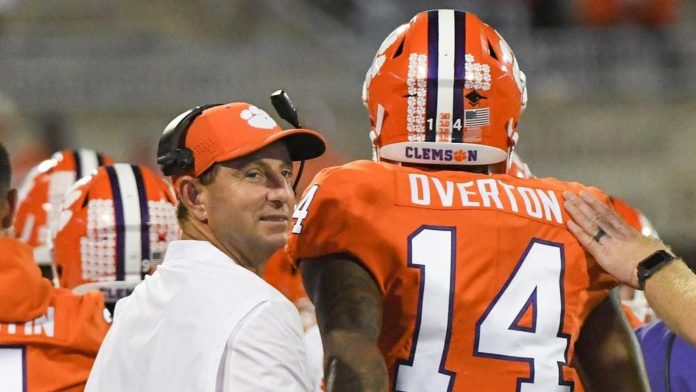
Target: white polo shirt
pixel 202 323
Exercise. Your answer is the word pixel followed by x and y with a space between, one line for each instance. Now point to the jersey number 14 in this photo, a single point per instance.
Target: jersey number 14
pixel 536 284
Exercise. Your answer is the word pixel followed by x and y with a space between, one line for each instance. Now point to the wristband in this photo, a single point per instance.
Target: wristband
pixel 652 264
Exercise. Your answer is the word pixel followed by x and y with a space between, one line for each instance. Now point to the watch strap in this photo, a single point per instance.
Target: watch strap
pixel 652 264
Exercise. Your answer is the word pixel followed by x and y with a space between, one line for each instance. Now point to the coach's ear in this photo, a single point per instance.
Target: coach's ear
pixel 193 195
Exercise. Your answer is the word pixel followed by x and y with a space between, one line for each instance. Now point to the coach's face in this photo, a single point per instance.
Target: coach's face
pixel 250 203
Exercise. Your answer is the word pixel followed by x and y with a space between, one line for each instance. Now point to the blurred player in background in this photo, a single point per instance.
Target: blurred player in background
pixel 40 196
pixel 435 274
pixel 112 230
pixel 49 336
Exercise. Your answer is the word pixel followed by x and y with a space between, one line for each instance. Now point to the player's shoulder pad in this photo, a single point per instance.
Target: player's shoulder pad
pixel 575 187
pixel 354 178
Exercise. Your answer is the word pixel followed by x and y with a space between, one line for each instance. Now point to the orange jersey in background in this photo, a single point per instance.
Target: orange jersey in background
pixel 281 274
pixel 483 286
pixel 631 317
pixel 634 217
pixel 49 336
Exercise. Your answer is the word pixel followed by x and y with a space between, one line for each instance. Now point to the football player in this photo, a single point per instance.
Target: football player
pixel 49 336
pixel 430 272
pixel 40 195
pixel 113 229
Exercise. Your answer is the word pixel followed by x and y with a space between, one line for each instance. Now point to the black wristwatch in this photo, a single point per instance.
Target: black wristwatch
pixel 652 264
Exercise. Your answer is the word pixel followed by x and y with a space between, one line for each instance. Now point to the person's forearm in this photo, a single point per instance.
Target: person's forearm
pixel 607 354
pixel 671 292
pixel 354 365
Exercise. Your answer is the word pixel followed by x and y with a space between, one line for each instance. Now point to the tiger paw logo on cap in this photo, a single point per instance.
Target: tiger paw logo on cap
pixel 257 118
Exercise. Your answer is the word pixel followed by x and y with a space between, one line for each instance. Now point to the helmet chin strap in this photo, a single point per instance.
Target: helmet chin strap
pixel 376 132
pixel 513 136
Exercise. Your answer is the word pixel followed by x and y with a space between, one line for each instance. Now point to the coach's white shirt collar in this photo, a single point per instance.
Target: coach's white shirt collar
pixel 186 252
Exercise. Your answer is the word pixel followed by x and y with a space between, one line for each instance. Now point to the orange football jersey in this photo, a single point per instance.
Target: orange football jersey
pixel 483 286
pixel 49 336
pixel 282 275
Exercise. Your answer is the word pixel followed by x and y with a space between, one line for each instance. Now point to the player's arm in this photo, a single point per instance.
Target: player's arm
pixel 349 312
pixel 607 353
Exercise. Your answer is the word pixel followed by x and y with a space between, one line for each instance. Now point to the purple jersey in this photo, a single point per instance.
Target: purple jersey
pixel 658 344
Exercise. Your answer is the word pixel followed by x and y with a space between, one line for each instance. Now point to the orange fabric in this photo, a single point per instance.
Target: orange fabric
pixel 629 213
pixel 366 209
pixel 58 331
pixel 17 270
pixel 634 217
pixel 282 275
pixel 633 320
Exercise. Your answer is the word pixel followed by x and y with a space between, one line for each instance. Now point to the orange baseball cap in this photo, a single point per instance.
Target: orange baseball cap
pixel 233 130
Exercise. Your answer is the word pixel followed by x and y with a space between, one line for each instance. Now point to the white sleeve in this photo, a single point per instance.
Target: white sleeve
pixel 266 352
pixel 315 357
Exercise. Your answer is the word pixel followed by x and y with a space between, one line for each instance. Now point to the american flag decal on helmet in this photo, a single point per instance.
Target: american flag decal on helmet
pixel 477 118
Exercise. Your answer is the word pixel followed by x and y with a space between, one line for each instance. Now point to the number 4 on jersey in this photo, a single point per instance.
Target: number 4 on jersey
pixel 536 286
pixel 302 209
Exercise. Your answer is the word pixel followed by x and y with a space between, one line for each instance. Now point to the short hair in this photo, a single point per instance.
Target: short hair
pixel 206 178
pixel 5 171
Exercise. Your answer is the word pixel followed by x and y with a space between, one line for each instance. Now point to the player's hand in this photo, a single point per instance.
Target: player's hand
pixel 616 246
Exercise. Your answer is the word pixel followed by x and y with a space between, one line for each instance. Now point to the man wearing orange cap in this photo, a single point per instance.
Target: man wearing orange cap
pixel 206 320
pixel 48 336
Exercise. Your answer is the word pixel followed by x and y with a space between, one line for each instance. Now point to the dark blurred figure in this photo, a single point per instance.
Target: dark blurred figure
pixel 54 131
pixel 341 10
pixel 549 13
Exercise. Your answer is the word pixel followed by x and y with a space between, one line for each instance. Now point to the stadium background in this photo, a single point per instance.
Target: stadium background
pixel 612 85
